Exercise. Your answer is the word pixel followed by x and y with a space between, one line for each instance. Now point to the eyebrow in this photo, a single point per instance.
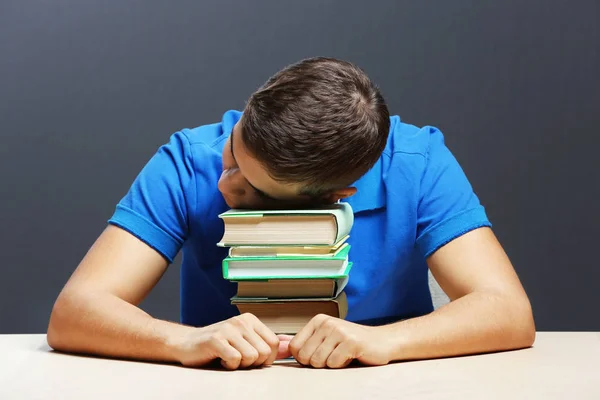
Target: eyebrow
pixel 258 191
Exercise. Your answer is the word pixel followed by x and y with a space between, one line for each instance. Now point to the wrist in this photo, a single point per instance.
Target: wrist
pixel 392 338
pixel 176 341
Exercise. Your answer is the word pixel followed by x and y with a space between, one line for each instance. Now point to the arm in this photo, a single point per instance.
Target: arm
pixel 97 313
pixel 489 310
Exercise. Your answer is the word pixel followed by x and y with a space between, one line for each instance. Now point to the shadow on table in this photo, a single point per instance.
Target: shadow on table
pixel 287 363
pixel 356 364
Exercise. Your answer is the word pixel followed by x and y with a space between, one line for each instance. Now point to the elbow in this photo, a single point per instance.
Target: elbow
pixel 529 331
pixel 522 324
pixel 61 316
pixel 513 326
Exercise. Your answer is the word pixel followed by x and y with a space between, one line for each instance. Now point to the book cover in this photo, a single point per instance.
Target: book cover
pixel 287 266
pixel 341 212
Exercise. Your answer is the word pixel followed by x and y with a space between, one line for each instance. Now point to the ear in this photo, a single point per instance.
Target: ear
pixel 339 194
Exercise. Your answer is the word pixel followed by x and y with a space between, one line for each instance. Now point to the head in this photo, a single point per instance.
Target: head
pixel 305 137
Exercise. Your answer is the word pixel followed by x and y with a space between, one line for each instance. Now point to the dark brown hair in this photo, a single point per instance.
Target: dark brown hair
pixel 320 122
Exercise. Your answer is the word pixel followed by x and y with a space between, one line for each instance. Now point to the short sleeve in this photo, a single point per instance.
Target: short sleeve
pixel 448 207
pixel 156 208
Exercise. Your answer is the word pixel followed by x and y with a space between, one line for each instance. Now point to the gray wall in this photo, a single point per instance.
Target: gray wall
pixel 89 90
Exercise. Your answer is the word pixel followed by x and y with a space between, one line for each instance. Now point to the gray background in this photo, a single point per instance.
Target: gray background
pixel 89 90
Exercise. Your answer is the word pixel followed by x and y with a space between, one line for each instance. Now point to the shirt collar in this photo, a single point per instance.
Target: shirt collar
pixel 371 191
pixel 370 194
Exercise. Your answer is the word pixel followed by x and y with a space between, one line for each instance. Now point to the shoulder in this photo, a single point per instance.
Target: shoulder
pixel 412 149
pixel 212 135
pixel 202 145
pixel 409 139
pixel 192 152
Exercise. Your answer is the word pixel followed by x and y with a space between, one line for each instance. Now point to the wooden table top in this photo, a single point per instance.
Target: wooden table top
pixel 560 365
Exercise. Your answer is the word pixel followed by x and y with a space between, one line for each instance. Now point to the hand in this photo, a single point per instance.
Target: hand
pixel 239 342
pixel 333 342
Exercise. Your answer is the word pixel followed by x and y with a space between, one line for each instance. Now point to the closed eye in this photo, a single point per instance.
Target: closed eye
pixel 261 194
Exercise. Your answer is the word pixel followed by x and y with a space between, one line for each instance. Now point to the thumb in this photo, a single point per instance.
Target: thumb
pixel 284 347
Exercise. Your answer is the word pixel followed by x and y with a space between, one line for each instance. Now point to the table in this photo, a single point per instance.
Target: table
pixel 560 365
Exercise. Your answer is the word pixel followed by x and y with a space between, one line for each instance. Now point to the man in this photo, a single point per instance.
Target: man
pixel 317 132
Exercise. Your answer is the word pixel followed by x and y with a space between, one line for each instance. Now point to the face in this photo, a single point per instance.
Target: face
pixel 245 183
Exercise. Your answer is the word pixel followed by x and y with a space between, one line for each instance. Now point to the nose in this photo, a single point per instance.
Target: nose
pixel 232 183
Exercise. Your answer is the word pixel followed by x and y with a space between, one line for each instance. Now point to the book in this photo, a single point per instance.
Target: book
pixel 288 316
pixel 290 267
pixel 277 251
pixel 291 288
pixel 320 226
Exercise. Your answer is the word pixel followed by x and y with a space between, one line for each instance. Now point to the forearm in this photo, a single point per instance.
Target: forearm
pixel 475 323
pixel 106 325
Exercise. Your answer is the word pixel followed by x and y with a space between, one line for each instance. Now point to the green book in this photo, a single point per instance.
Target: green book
pixel 288 267
pixel 320 226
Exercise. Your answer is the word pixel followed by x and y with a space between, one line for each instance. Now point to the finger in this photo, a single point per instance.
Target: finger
pixel 304 334
pixel 311 345
pixel 322 353
pixel 248 352
pixel 284 350
pixel 270 338
pixel 284 346
pixel 341 356
pixel 230 357
pixel 264 350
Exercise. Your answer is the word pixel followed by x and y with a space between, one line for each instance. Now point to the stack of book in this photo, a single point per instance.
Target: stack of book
pixel 289 265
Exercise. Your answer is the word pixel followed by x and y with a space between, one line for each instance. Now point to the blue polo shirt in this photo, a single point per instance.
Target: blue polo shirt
pixel 414 200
